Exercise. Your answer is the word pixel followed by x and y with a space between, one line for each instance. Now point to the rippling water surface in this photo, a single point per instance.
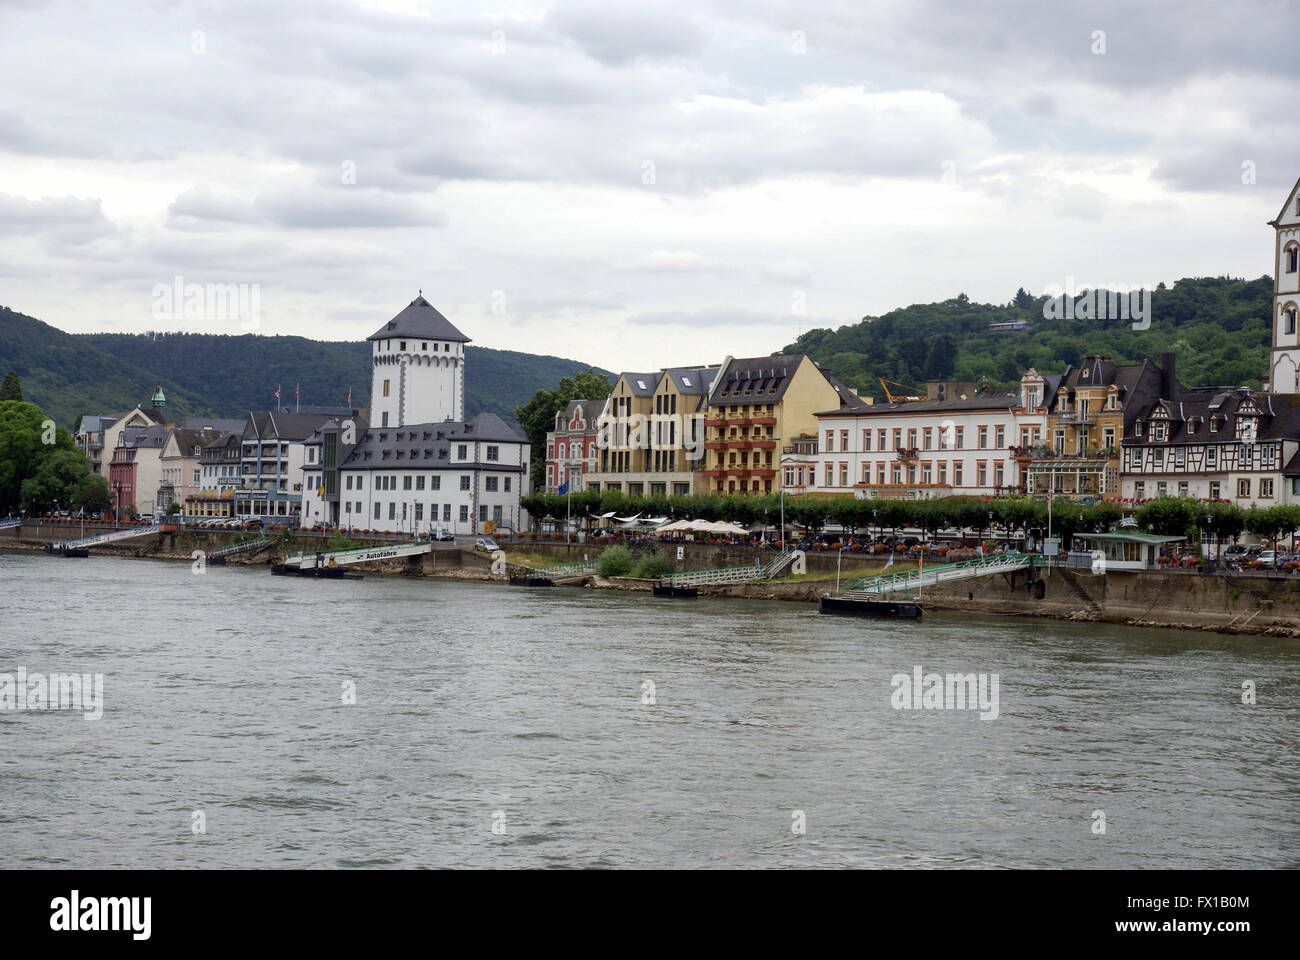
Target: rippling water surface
pixel 477 704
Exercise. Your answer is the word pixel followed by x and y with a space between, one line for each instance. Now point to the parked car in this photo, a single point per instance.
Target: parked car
pixel 486 544
pixel 1268 557
pixel 443 534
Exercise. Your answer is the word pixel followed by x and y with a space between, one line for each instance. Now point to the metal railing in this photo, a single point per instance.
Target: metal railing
pixel 15 522
pixel 248 546
pixel 109 537
pixel 936 573
pixel 763 571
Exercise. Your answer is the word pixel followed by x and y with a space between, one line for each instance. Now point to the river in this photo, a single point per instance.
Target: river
pixel 507 727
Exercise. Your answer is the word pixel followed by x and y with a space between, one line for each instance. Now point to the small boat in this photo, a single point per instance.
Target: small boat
pixel 882 609
pixel 666 590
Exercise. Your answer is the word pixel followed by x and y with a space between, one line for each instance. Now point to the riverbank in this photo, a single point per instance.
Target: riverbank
pixel 1258 604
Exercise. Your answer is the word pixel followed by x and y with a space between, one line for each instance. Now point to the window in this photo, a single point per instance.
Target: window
pixel 446 513
pixel 406 482
pixel 866 441
pixel 1000 437
pixel 419 511
pixel 401 345
pixel 1211 458
pixel 385 423
pixel 844 474
pixel 981 474
pixel 898 439
pixel 494 453
pixel 926 436
pixel 392 510
pixel 844 442
pixel 927 475
pixel 828 474
pixel 1265 487
pixel 359 479
pixel 956 473
pixel 1214 490
pixel 461 451
pixel 464 482
pixel 1162 489
pixel 464 513
pixel 958 442
pixel 1140 490
pixel 1243 487
pixel 1182 488
pixel 881 435
pixel 998 474
pixel 435 483
pixel 830 441
pixel 1291 257
pixel 482 513
pixel 983 439
pixel 376 511
pixel 1290 320
pixel 386 383
pixel 490 484
pixel 508 486
pixel 943 471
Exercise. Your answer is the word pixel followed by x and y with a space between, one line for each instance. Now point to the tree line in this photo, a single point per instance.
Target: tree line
pixel 1010 516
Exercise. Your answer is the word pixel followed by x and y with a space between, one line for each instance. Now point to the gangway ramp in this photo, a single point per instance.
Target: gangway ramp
pixel 103 538
pixel 765 571
pixel 339 558
pixel 872 588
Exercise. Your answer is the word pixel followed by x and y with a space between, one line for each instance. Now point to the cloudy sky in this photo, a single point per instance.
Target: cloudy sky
pixel 629 184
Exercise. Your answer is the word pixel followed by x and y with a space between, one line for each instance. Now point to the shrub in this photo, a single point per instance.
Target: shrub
pixel 614 561
pixel 651 567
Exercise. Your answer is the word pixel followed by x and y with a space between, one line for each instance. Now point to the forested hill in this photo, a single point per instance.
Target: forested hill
pixel 1217 327
pixel 211 375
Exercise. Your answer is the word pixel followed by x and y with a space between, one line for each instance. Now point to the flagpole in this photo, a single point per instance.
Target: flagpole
pixel 568 507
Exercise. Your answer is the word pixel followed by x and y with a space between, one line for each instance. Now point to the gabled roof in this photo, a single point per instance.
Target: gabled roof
pixel 693 380
pixel 756 379
pixel 642 384
pixel 283 425
pixel 419 321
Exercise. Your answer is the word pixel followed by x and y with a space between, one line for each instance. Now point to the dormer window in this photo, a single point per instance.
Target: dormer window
pixel 1214 424
pixel 1158 431
pixel 1137 428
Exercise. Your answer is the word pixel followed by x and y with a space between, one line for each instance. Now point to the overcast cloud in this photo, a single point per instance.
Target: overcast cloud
pixel 630 185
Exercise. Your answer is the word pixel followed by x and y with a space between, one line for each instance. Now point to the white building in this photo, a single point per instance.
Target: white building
pixel 1284 362
pixel 419 368
pixel 416 466
pixel 960 440
pixel 465 477
pixel 1216 443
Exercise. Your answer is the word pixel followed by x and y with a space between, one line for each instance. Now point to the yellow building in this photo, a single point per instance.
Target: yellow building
pixel 650 436
pixel 757 405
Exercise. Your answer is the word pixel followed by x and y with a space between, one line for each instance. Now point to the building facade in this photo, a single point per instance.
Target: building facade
pixel 1095 404
pixel 1284 361
pixel 1216 443
pixel 962 439
pixel 465 477
pixel 650 436
pixel 756 406
pixel 571 446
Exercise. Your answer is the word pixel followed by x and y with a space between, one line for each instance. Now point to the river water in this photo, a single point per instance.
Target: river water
pixel 500 727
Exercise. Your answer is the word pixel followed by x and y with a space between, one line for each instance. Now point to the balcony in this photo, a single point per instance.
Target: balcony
pixel 907 453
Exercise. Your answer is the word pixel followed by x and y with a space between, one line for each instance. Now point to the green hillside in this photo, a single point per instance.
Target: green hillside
pixel 1217 327
pixel 211 375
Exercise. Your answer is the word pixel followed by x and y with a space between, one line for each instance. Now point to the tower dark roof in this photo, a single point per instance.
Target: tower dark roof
pixel 419 321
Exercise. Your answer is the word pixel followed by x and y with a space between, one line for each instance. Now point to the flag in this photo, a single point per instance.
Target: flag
pixel 563 489
pixel 890 562
pixel 277 393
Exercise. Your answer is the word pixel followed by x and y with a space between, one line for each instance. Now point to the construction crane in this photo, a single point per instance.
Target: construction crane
pixel 897 397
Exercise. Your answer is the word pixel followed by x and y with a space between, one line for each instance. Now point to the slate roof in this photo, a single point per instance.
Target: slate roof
pixel 420 321
pixel 427 446
pixel 766 379
pixel 285 426
pixel 989 398
pixel 1279 416
pixel 642 384
pixel 225 424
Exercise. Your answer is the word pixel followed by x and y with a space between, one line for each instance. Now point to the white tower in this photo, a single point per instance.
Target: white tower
pixel 419 364
pixel 1284 362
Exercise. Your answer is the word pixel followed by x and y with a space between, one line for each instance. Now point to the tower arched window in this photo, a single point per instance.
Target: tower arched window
pixel 1289 318
pixel 1290 254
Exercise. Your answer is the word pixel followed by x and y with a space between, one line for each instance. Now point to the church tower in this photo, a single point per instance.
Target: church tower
pixel 419 368
pixel 1284 361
